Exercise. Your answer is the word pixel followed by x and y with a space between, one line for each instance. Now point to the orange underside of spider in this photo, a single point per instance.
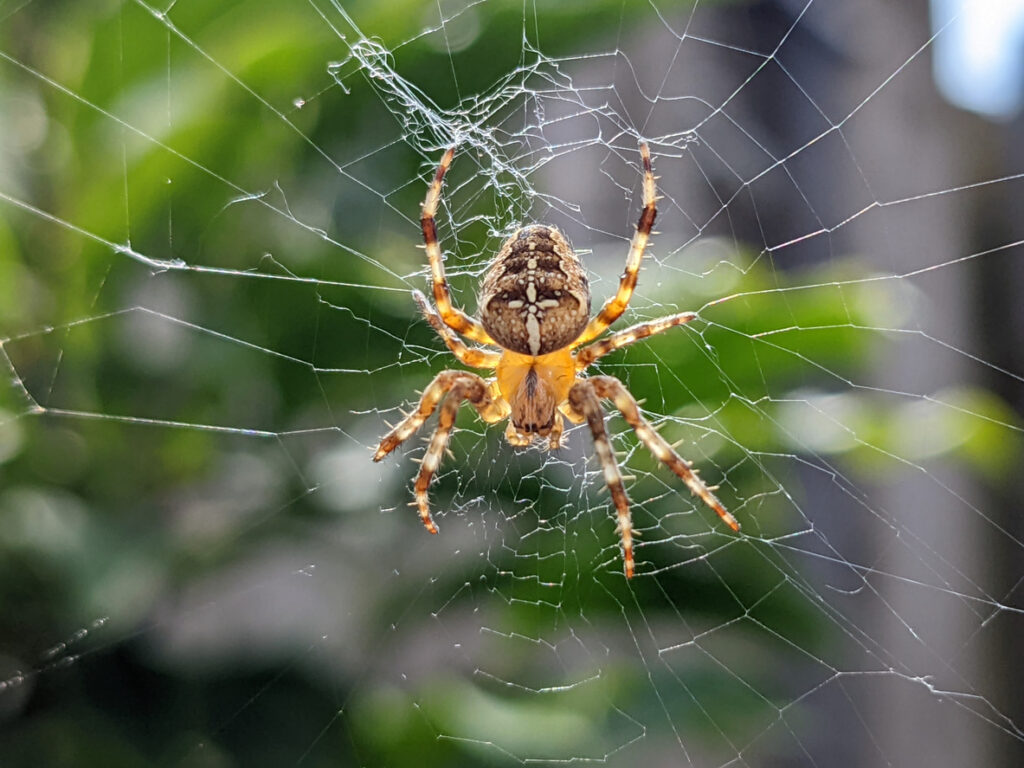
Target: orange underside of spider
pixel 534 307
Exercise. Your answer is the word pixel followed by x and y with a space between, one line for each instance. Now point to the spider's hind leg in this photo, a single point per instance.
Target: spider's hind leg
pixel 449 388
pixel 613 389
pixel 583 399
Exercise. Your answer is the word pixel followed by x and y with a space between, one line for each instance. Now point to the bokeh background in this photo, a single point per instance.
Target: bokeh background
pixel 207 242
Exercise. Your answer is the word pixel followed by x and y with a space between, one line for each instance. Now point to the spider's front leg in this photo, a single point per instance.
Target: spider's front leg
pixel 616 305
pixel 453 387
pixel 453 317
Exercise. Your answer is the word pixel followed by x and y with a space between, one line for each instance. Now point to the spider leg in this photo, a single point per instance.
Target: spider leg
pixel 452 317
pixel 616 305
pixel 571 414
pixel 613 389
pixel 475 391
pixel 583 399
pixel 489 410
pixel 624 338
pixel 474 358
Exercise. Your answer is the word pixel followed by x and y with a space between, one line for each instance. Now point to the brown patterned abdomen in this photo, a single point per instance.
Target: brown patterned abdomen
pixel 535 297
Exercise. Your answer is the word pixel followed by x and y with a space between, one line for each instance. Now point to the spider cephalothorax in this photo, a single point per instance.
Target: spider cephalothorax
pixel 535 307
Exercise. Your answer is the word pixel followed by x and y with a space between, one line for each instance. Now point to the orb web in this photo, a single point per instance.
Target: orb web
pixel 210 220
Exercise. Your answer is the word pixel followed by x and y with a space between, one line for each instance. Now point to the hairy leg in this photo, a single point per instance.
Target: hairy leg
pixel 489 410
pixel 453 318
pixel 613 389
pixel 474 358
pixel 588 355
pixel 584 400
pixel 616 305
pixel 463 389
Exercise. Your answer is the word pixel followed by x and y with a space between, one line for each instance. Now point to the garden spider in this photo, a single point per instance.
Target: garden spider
pixel 535 307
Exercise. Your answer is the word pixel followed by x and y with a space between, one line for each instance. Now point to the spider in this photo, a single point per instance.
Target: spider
pixel 535 307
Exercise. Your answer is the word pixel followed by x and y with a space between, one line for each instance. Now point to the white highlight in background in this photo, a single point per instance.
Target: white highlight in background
pixel 979 57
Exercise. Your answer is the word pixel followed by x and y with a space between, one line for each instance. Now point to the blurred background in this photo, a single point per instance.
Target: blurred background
pixel 208 231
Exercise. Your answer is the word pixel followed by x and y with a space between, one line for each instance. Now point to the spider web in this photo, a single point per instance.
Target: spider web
pixel 208 228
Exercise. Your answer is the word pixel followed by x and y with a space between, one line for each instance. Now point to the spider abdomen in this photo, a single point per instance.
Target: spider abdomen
pixel 535 297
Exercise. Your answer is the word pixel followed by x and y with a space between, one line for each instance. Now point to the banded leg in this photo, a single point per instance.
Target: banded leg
pixel 613 389
pixel 475 391
pixel 583 399
pixel 474 358
pixel 453 318
pixel 616 305
pixel 489 410
pixel 588 355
